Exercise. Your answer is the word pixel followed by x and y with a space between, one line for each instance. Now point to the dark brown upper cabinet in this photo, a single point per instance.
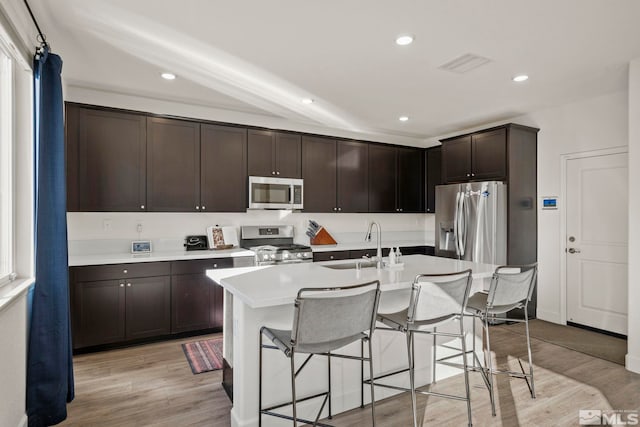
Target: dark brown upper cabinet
pixel 319 171
pixel 395 179
pixel 223 169
pixel 353 176
pixel 106 160
pixel 382 178
pixel 173 165
pixel 433 176
pixel 410 180
pixel 274 154
pixel 478 156
pixel 335 175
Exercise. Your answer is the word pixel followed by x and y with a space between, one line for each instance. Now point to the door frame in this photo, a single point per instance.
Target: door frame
pixel 564 159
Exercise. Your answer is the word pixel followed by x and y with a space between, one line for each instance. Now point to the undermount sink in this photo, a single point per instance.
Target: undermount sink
pixel 352 265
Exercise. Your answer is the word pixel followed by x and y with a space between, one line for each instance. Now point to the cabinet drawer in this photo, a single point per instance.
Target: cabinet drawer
pixel 120 271
pixel 331 256
pixel 359 253
pixel 202 265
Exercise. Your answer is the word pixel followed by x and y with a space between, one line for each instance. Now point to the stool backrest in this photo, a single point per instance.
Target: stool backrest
pixel 512 284
pixel 328 315
pixel 435 296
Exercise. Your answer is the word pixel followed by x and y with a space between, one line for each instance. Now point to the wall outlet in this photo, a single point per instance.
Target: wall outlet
pixel 106 225
pixel 139 227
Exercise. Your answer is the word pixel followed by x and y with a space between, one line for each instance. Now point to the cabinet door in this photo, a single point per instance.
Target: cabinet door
pixel 331 255
pixel 260 153
pixel 489 155
pixel 217 305
pixel 410 180
pixel 288 147
pixel 456 159
pixel 223 171
pixel 98 312
pixel 190 307
pixel 433 177
pixel 382 178
pixel 173 165
pixel 110 162
pixel 319 173
pixel 148 305
pixel 353 176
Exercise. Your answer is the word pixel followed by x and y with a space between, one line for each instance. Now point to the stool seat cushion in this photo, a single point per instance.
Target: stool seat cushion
pixel 282 339
pixel 478 304
pixel 398 320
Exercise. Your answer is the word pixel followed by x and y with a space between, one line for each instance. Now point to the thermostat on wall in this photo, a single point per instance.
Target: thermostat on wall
pixel 550 202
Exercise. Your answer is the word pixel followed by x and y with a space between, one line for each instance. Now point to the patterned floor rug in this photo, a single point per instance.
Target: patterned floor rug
pixel 204 356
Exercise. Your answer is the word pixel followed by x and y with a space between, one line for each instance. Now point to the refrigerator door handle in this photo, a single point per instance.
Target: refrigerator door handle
pixel 463 225
pixel 456 218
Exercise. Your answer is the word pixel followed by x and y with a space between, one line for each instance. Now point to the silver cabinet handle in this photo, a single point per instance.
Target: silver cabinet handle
pixel 128 285
pixel 473 174
pixel 125 271
pixel 335 209
pixel 468 174
pixel 574 251
pixel 273 172
pixel 215 265
pixel 339 209
pixel 278 173
pixel 141 206
pixel 204 208
pixel 197 208
pixel 330 256
pixel 122 285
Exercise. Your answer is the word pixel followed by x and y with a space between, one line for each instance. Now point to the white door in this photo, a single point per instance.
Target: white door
pixel 596 241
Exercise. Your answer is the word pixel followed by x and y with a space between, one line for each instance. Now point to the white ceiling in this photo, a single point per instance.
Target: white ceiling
pixel 264 56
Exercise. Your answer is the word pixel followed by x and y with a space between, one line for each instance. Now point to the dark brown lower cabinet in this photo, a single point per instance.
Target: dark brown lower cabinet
pixel 369 253
pixel 123 303
pixel 148 302
pixel 98 312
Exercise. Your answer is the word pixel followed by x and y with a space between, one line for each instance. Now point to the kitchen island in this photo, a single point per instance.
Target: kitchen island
pixel 258 296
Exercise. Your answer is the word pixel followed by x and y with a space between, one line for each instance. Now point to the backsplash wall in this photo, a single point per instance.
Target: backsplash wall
pixel 160 225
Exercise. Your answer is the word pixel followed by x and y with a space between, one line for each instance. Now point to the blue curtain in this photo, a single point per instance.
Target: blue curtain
pixel 49 359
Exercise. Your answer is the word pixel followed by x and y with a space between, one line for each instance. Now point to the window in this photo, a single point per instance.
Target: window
pixel 6 166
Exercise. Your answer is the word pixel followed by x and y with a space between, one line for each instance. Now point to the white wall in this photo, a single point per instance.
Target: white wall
pixel 13 342
pixel 633 345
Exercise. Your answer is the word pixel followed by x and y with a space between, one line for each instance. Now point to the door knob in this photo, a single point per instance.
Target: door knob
pixel 574 251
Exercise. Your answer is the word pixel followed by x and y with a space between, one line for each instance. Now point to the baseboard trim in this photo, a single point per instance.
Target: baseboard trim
pixel 632 363
pixel 24 421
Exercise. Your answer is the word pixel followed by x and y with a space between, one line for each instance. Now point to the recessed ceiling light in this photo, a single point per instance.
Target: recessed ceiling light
pixel 168 76
pixel 403 118
pixel 404 39
pixel 521 78
pixel 307 101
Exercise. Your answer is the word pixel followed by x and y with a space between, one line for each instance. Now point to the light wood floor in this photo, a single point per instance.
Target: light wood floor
pixel 153 385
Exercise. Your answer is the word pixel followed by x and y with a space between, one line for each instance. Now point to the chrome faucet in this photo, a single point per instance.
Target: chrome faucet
pixel 379 249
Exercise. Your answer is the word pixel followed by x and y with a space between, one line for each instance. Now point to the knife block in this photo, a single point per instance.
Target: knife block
pixel 322 237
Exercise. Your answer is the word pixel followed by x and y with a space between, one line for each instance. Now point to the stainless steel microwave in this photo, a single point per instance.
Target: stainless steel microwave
pixel 275 193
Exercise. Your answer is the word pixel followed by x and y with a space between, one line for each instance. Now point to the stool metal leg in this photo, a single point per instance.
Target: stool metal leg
pixel 489 365
pixel 260 385
pixel 373 399
pixel 411 376
pixel 362 374
pixel 526 327
pixel 329 382
pixel 293 390
pixel 466 371
pixel 433 365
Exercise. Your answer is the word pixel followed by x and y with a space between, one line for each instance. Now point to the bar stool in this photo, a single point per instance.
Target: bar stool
pixel 325 319
pixel 435 300
pixel 511 288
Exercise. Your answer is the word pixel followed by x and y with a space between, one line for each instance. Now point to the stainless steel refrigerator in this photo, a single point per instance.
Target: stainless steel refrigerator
pixel 471 221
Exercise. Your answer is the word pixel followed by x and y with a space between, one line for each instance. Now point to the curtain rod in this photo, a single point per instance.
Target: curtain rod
pixel 43 39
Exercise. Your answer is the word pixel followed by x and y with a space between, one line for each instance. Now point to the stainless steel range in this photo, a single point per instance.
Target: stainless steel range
pixel 273 244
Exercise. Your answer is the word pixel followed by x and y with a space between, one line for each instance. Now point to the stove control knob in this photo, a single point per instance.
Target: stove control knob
pixel 305 255
pixel 265 257
pixel 285 255
pixel 299 255
pixel 273 256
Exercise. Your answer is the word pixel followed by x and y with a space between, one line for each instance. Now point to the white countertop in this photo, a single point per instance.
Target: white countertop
pixel 180 255
pixel 270 286
pixel 350 246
